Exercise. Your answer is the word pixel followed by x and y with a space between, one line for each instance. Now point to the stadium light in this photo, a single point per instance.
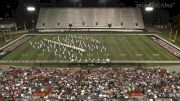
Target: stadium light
pixel 31 8
pixel 149 8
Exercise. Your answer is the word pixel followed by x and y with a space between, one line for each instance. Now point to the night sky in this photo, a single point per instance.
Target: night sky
pixel 8 8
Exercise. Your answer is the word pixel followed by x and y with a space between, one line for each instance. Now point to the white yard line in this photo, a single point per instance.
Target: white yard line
pixel 94 34
pixel 59 61
pixel 12 42
pixel 168 42
pixel 113 61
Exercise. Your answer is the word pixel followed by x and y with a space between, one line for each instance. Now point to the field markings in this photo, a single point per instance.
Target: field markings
pixel 14 55
pixel 122 54
pixel 24 54
pixel 127 49
pixel 133 48
pixel 147 46
pixel 139 55
pixel 109 46
pixel 117 45
pixel 13 41
pixel 139 52
pixel 144 48
pixel 163 52
pixel 97 34
pixel 34 54
pixel 20 50
pixel 65 61
pixel 33 51
pixel 167 42
pixel 156 55
pixel 157 49
pixel 139 45
pixel 168 55
pixel 122 49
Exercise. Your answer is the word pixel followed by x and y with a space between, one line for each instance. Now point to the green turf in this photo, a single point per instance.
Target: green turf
pixel 119 48
pixel 166 33
pixel 3 42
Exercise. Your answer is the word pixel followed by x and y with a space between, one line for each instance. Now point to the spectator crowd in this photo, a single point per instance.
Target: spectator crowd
pixel 167 46
pixel 55 84
pixel 17 44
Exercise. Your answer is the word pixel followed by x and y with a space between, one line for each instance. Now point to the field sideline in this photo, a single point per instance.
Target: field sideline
pixel 121 48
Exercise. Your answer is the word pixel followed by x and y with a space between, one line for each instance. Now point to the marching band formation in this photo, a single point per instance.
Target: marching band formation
pixel 72 47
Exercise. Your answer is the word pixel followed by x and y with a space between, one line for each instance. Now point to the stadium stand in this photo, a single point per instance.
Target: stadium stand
pixel 16 44
pixel 117 84
pixel 90 18
pixel 167 46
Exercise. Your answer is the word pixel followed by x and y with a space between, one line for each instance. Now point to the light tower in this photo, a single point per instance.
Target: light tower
pixel 31 9
pixel 149 7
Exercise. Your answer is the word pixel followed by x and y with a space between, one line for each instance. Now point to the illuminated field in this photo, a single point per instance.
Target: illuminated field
pixel 107 47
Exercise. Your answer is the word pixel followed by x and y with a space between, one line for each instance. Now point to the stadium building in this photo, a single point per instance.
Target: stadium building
pixel 115 50
pixel 92 19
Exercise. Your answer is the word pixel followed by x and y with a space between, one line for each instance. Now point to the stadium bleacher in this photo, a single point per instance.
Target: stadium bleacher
pixel 85 53
pixel 52 84
pixel 63 18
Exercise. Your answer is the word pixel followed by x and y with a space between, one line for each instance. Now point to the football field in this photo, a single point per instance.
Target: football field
pixel 96 47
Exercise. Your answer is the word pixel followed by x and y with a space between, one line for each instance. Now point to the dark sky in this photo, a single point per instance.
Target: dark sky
pixel 8 7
